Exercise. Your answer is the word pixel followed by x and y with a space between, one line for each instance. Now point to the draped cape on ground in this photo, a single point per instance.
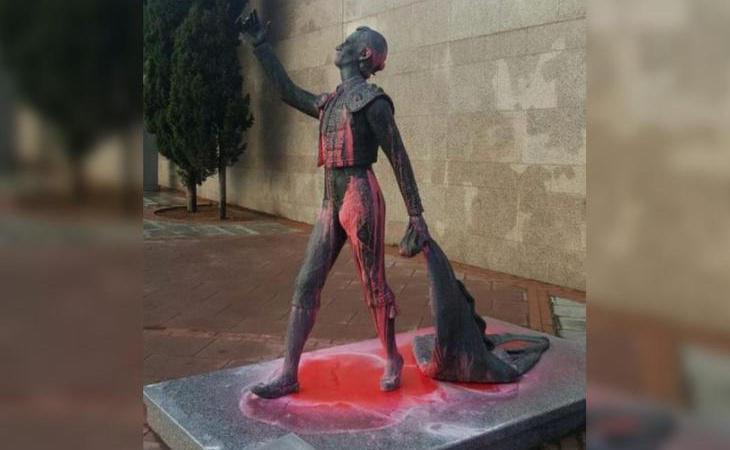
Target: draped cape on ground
pixel 461 350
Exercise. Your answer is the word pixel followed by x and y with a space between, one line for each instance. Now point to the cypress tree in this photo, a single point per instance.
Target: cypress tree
pixel 207 113
pixel 161 20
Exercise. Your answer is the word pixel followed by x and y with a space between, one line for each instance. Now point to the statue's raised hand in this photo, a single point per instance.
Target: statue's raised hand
pixel 252 30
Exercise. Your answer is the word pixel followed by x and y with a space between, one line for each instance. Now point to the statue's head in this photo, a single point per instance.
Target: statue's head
pixel 365 47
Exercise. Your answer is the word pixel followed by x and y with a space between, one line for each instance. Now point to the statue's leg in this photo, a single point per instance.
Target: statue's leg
pixel 325 243
pixel 362 215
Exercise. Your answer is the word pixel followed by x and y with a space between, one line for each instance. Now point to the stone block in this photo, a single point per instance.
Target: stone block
pixel 424 136
pixel 570 271
pixel 535 261
pixel 356 9
pixel 440 55
pixel 406 61
pixel 567 179
pixel 461 52
pixel 492 176
pixel 472 88
pixel 333 410
pixel 572 79
pixel 524 13
pixel 555 136
pixel 397 26
pixel 486 136
pixel 434 200
pixel 546 263
pixel 494 214
pixel 418 92
pixel 368 21
pixel 458 208
pixel 430 22
pixel 469 18
pixel 521 82
pixel 548 224
pixel 291 19
pixel 569 9
pixel 557 36
pixel 321 79
pixel 312 49
pixel 501 45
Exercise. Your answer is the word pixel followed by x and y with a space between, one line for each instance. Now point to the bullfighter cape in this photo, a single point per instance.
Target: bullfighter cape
pixel 460 350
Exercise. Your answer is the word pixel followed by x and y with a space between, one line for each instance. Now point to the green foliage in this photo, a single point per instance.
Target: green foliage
pixel 75 63
pixel 203 113
pixel 161 19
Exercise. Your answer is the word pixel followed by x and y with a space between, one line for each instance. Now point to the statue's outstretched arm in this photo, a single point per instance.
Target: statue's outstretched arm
pixel 292 94
pixel 382 122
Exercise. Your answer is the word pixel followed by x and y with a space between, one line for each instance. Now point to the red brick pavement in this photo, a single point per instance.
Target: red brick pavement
pixel 223 301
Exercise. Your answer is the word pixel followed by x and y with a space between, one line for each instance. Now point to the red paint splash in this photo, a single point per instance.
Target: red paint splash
pixel 340 392
pixel 364 204
pixel 378 60
pixel 353 378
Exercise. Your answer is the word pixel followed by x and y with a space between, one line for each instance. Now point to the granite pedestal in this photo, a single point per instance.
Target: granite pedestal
pixel 340 406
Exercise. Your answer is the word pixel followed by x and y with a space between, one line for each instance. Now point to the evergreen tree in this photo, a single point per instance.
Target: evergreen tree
pixel 161 20
pixel 207 112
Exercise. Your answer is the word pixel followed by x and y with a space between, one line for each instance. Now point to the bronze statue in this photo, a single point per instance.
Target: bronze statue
pixel 354 120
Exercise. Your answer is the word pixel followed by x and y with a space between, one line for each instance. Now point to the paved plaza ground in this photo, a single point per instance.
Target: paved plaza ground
pixel 218 295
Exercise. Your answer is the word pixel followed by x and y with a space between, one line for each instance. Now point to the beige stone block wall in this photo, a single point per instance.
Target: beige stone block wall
pixel 490 100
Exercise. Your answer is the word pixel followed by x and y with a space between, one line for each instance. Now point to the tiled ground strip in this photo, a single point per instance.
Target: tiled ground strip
pixel 569 318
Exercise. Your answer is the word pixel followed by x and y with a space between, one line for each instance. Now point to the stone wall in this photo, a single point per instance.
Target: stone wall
pixel 490 100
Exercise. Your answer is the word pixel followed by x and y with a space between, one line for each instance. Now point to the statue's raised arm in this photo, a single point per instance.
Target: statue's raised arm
pixel 255 33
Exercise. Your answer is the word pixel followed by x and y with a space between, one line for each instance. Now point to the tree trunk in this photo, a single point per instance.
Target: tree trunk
pixel 192 196
pixel 222 191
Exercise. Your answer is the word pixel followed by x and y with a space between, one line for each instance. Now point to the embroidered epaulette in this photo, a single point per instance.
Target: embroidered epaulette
pixel 363 94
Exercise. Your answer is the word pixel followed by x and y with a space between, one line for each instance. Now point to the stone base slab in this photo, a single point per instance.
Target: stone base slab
pixel 340 406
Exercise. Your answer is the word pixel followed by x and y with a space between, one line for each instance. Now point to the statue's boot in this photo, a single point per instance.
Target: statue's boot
pixel 301 322
pixel 391 379
pixel 275 389
pixel 384 317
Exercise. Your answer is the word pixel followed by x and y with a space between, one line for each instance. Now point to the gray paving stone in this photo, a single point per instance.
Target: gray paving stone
pixel 564 302
pixel 162 199
pixel 570 318
pixel 568 323
pixel 158 229
pixel 570 311
pixel 572 335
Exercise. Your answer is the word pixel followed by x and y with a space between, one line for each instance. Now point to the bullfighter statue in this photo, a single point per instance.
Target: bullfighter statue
pixel 354 121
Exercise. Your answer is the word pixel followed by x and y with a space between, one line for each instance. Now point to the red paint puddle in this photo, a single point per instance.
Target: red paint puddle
pixel 353 378
pixel 341 392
